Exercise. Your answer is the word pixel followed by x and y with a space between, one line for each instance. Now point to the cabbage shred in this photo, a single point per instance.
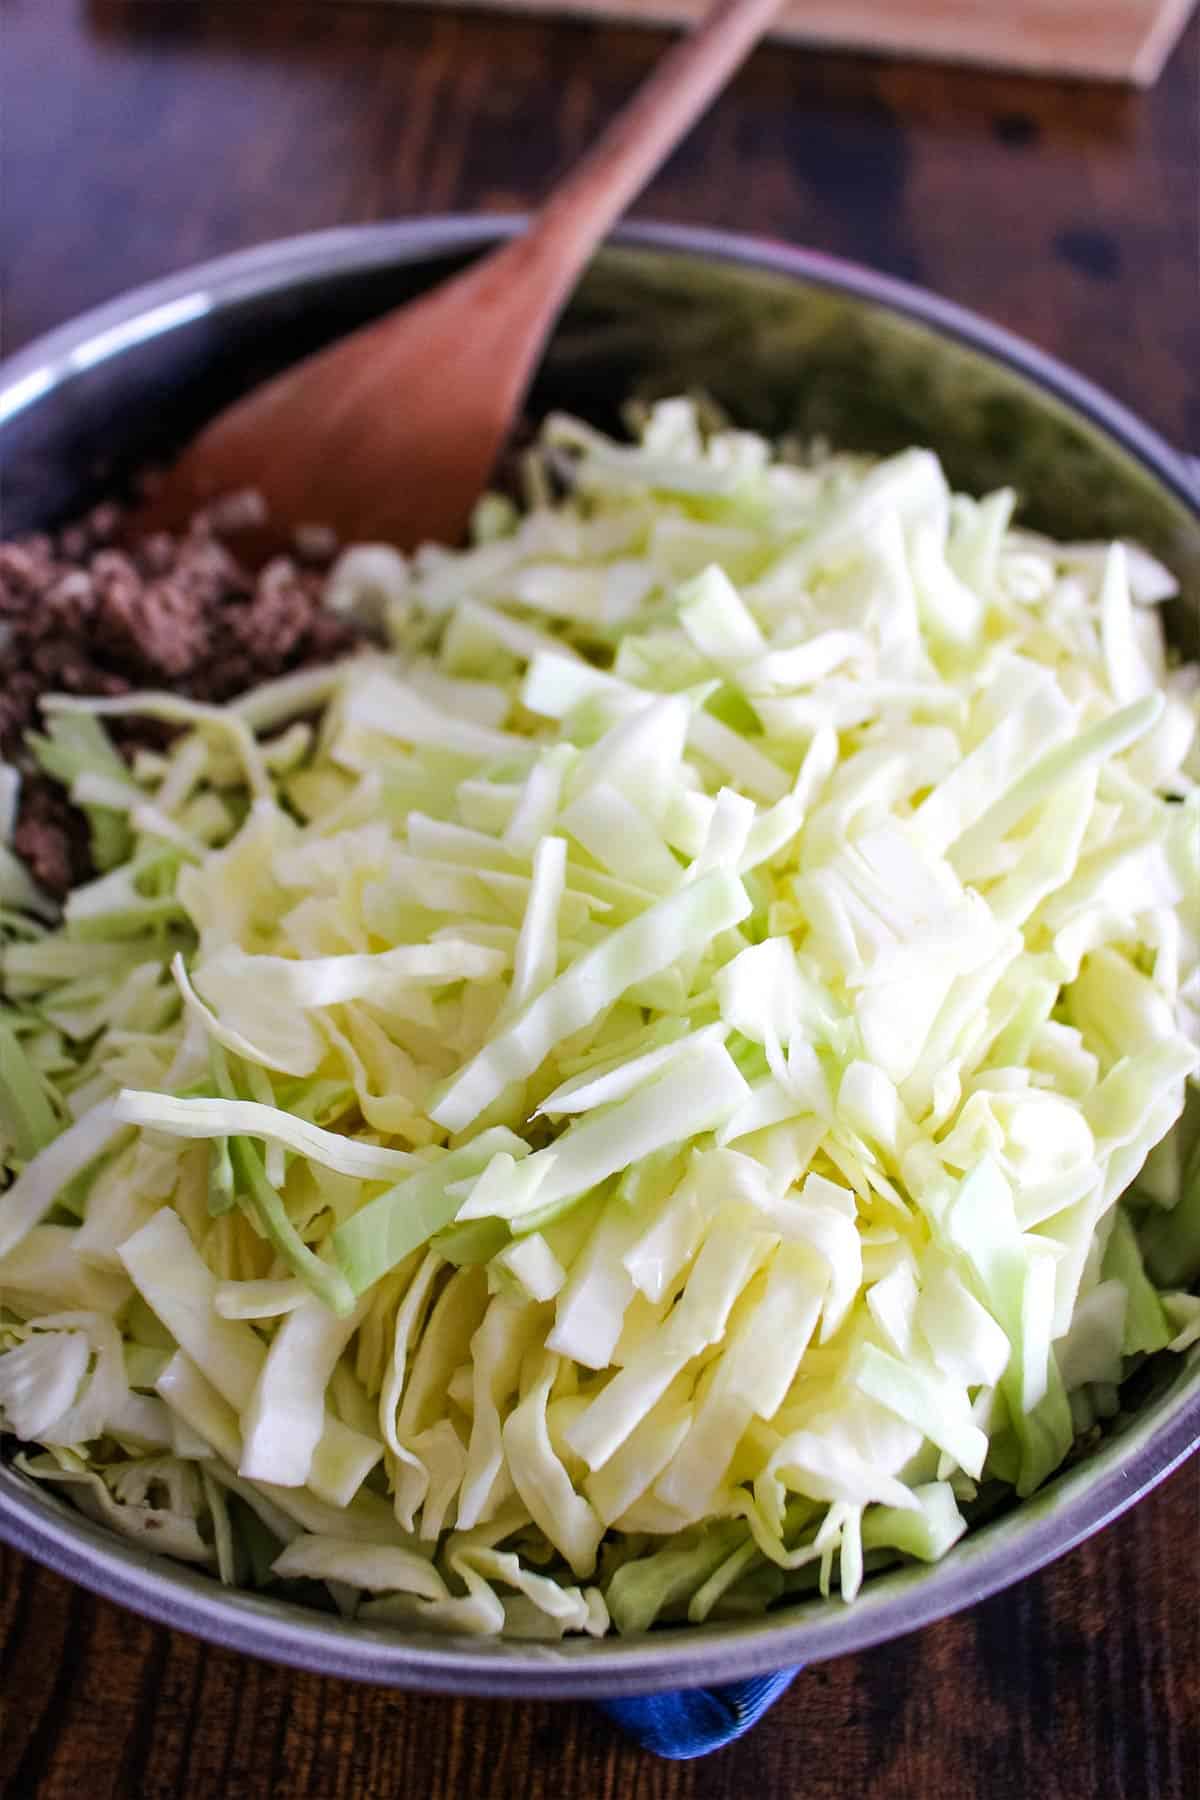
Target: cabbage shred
pixel 643 1099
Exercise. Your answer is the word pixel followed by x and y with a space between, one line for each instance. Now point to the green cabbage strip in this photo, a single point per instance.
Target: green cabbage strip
pixel 666 1087
pixel 628 956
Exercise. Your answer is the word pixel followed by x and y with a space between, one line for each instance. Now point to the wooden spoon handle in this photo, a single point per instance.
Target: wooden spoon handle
pixel 589 200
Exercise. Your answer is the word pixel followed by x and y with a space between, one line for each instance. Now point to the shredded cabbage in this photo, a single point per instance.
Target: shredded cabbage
pixel 667 1085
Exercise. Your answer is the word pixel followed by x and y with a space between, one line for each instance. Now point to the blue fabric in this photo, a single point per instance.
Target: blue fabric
pixel 697 1720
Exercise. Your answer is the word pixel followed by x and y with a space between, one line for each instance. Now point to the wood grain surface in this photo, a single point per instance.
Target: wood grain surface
pixel 140 137
pixel 1116 40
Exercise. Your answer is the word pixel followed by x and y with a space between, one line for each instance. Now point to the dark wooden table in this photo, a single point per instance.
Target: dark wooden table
pixel 141 137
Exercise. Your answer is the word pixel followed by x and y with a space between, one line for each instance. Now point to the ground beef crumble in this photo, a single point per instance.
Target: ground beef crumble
pixel 81 614
pixel 51 836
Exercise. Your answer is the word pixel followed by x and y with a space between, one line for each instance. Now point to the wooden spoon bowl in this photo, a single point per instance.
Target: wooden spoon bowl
pixel 392 432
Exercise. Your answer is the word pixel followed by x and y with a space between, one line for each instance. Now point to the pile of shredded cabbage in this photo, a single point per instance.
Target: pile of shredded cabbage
pixel 649 1097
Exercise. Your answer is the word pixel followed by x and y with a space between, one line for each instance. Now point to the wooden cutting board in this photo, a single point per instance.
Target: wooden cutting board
pixel 1110 40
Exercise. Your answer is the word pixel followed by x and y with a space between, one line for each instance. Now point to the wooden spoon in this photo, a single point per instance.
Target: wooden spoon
pixel 393 431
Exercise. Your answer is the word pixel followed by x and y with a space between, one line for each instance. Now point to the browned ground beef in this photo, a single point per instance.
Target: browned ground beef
pixel 79 614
